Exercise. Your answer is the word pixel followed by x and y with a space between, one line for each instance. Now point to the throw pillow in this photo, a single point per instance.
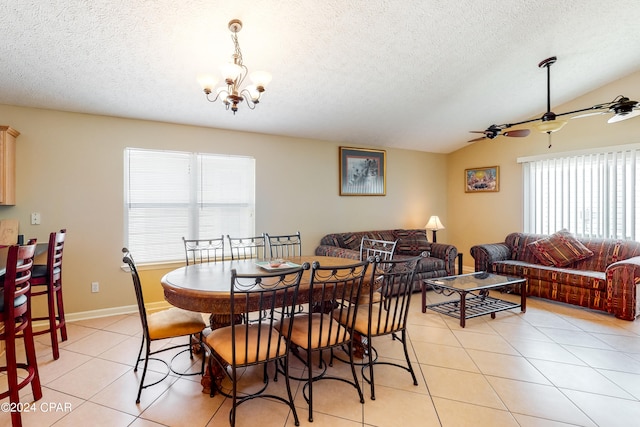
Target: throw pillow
pixel 412 242
pixel 559 250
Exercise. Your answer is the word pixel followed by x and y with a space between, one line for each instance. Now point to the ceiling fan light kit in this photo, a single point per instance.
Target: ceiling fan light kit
pixel 621 107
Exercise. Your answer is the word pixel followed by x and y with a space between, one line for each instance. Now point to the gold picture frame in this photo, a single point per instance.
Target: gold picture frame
pixel 482 180
pixel 363 172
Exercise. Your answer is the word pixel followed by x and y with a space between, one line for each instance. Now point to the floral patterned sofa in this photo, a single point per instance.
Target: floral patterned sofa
pixel 440 261
pixel 601 274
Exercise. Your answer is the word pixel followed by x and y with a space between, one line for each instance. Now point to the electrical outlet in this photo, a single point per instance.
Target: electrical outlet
pixel 35 218
pixel 95 287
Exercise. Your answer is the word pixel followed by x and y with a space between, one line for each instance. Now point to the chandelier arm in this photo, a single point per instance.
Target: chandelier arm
pixel 214 99
pixel 242 76
pixel 247 97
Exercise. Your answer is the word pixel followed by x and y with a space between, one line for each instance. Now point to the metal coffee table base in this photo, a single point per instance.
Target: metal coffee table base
pixel 472 302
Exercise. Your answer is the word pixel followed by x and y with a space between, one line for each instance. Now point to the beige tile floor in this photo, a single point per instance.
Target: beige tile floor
pixel 555 365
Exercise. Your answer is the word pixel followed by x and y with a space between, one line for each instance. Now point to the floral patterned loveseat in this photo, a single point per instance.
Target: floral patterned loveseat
pixel 605 276
pixel 440 261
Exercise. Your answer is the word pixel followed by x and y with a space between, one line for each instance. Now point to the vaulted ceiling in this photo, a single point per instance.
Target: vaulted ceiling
pixel 414 74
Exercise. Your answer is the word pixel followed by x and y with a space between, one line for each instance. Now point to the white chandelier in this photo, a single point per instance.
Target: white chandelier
pixel 231 93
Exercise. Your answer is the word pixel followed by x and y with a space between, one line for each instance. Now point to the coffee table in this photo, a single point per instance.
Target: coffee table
pixel 473 298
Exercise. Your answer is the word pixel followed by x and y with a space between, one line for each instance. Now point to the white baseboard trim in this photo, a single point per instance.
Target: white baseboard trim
pixel 106 312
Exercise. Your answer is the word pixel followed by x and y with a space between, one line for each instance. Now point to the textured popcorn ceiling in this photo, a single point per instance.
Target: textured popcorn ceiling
pixel 416 74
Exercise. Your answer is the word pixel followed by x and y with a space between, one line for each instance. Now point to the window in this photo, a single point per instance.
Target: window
pixel 592 194
pixel 169 195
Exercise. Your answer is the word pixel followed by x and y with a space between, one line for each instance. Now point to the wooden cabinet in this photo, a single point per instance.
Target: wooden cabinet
pixel 8 137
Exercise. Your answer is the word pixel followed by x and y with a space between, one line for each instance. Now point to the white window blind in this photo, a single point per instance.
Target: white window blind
pixel 591 194
pixel 169 195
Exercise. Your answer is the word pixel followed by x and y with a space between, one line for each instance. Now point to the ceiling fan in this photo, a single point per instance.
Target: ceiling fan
pixel 494 131
pixel 622 108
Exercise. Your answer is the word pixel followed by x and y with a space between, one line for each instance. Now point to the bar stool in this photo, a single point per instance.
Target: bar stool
pixel 47 280
pixel 15 316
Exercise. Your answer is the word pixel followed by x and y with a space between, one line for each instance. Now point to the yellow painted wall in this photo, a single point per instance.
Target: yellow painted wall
pixel 475 218
pixel 70 169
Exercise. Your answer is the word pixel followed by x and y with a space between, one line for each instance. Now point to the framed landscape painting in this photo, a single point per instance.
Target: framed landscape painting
pixel 363 172
pixel 480 180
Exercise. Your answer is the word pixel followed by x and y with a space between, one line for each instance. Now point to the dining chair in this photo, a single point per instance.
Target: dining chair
pixel 385 249
pixel 330 290
pixel 386 313
pixel 284 246
pixel 244 344
pixel 166 324
pixel 199 251
pixel 46 280
pixel 15 319
pixel 247 247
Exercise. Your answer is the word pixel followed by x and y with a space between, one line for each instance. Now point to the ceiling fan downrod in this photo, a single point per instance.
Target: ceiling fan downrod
pixel 547 63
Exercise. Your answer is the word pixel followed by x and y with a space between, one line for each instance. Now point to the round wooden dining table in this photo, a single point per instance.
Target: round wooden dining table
pixel 206 288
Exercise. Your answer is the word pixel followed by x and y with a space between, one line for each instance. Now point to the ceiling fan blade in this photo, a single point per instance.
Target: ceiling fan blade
pixel 595 113
pixel 517 132
pixel 477 139
pixel 619 117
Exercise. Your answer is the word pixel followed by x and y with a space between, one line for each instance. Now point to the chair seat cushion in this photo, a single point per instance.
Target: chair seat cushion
pixel 174 322
pixel 38 270
pixel 20 300
pixel 378 326
pixel 40 277
pixel 332 332
pixel 246 344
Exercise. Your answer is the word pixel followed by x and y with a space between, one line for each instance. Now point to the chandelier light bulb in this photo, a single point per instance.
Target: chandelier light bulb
pixel 254 93
pixel 207 81
pixel 260 78
pixel 230 71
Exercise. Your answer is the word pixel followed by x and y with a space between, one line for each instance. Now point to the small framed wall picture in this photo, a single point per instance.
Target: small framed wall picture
pixel 482 180
pixel 363 172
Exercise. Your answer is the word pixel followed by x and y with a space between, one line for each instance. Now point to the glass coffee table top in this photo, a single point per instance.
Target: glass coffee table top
pixel 472 295
pixel 474 281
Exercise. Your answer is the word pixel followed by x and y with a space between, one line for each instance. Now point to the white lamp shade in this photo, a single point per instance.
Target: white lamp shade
pixel 434 223
pixel 260 78
pixel 207 81
pixel 230 71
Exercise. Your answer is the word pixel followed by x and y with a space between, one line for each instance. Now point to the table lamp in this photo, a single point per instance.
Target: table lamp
pixel 434 225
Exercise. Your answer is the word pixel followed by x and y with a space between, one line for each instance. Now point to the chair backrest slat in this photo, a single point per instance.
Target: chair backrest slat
pixel 333 289
pixel 385 249
pixel 137 286
pixel 247 247
pixel 284 246
pixel 16 285
pixel 391 296
pixel 259 301
pixel 199 251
